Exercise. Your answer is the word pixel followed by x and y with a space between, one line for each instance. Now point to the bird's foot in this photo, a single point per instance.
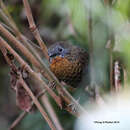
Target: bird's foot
pixel 52 84
pixel 73 106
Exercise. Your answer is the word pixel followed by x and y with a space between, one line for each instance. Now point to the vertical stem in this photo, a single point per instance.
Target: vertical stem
pixel 111 39
pixel 90 37
pixel 111 70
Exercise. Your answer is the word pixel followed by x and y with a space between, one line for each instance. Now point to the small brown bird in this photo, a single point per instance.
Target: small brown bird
pixel 69 63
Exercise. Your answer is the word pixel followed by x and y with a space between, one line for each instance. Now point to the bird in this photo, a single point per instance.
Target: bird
pixel 69 63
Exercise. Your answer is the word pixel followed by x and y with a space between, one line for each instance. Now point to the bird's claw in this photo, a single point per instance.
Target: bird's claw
pixel 73 106
pixel 52 84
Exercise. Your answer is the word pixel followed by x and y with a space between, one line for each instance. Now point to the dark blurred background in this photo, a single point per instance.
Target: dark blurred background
pixel 67 20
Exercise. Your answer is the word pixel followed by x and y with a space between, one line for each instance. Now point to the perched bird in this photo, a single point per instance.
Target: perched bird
pixel 69 63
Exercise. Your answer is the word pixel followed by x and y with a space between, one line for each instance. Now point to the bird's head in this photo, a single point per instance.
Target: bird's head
pixel 60 49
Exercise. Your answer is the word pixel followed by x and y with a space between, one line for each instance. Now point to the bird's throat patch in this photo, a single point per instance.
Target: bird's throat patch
pixel 65 69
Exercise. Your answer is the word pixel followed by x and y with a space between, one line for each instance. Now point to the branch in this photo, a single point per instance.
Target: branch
pixel 34 29
pixel 65 95
pixel 51 112
pixel 29 56
pixel 22 83
pixel 44 114
pixel 41 67
pixel 110 44
pixel 13 28
pixel 23 114
pixel 7 17
pixel 15 123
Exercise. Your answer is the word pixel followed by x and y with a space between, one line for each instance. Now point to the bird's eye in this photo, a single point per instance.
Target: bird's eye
pixel 60 49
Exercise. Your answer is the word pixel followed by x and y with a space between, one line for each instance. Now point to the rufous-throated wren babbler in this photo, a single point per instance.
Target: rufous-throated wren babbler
pixel 69 63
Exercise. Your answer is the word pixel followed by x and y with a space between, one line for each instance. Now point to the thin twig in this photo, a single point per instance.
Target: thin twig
pixel 17 121
pixel 7 17
pixel 4 52
pixel 44 114
pixel 110 44
pixel 23 114
pixel 117 76
pixel 7 27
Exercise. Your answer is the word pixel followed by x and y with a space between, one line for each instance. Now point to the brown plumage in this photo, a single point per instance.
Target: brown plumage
pixel 69 63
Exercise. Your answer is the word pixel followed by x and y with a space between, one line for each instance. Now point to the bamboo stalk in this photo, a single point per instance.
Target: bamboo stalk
pixel 32 73
pixel 34 29
pixel 17 121
pixel 66 96
pixel 51 112
pixel 21 82
pixel 36 102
